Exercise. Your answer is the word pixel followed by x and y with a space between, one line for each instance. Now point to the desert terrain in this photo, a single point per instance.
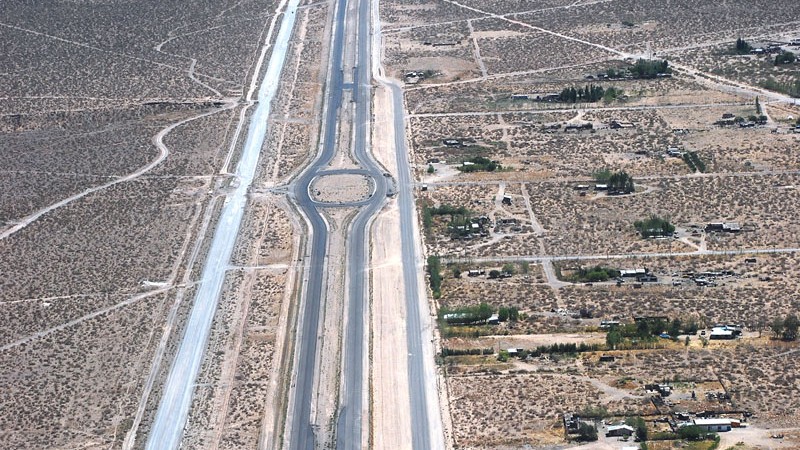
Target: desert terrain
pixel 523 117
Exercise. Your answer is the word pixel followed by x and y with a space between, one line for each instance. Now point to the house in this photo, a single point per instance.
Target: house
pixel 728 227
pixel 494 319
pixel 424 187
pixel 579 127
pixel 620 430
pixel 647 278
pixel 607 358
pixel 475 272
pixel 507 200
pixel 721 334
pixel 729 116
pixel 618 124
pixel 452 142
pixel 632 273
pixel 713 424
pixel 674 152
pixel 582 187
pixel 606 324
pixel 519 97
pixel 600 187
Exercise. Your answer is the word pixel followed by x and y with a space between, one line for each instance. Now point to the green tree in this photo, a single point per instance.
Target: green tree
pixel 743 47
pixel 790 327
pixel 785 57
pixel 434 272
pixel 613 338
pixel 758 106
pixel 690 433
pixel 586 432
pixel 509 268
pixel 431 169
pixel 777 327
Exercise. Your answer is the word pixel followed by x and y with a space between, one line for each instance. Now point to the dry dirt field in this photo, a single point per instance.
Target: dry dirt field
pixel 117 123
pixel 484 71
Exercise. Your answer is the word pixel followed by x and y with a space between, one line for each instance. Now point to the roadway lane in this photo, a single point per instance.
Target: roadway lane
pixel 167 428
pixel 301 434
pixel 350 425
pixel 426 420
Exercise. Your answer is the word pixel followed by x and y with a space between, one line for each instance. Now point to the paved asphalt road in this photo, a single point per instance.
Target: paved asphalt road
pixel 167 428
pixel 419 390
pixel 301 435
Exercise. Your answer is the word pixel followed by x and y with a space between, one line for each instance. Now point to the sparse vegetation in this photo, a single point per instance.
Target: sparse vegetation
pixel 692 159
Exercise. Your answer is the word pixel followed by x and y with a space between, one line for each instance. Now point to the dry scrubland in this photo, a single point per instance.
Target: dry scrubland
pixel 750 178
pixel 494 405
pixel 236 378
pixel 87 88
pixel 750 69
pixel 293 125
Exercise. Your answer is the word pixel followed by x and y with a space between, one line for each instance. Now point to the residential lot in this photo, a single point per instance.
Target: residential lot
pixel 545 270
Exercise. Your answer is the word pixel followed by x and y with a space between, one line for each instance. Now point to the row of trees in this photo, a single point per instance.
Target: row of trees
pixel 435 275
pixel 589 94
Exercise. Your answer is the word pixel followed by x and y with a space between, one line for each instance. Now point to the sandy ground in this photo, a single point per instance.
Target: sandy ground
pixel 341 188
pixel 391 426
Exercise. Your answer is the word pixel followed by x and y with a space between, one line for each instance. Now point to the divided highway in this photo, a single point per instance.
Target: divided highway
pixel 166 431
pixel 301 435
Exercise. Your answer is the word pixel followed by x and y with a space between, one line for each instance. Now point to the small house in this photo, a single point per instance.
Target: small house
pixel 618 124
pixel 507 200
pixel 620 431
pixel 452 142
pixel 713 425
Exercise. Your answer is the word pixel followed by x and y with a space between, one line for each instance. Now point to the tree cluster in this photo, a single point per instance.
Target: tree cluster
pixel 588 94
pixel 654 227
pixel 467 314
pixel 620 183
pixel 786 328
pixel 743 47
pixel 593 274
pixel 785 57
pixel 694 162
pixel 479 164
pixel 639 426
pixel 647 330
pixel 586 433
pixel 644 68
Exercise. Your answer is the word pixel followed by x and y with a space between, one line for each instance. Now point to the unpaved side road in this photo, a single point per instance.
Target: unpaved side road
pixel 391 409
